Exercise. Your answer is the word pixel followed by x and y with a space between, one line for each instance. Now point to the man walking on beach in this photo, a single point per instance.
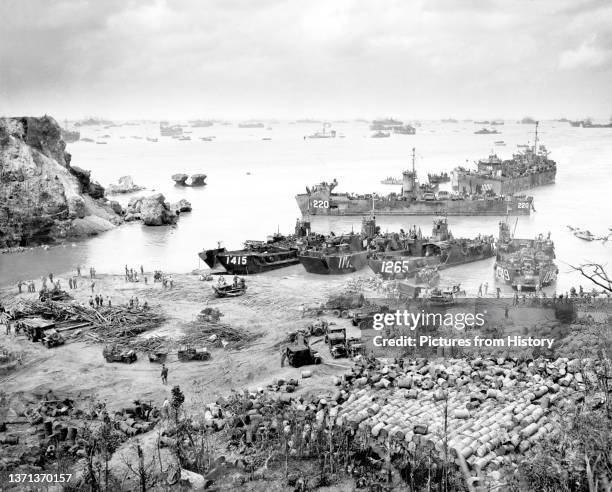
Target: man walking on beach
pixel 78 270
pixel 164 374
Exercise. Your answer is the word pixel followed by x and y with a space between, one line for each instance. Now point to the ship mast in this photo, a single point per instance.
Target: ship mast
pixel 535 143
pixel 413 157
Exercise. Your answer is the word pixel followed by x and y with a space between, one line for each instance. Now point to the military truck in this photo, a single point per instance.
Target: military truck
pixel 187 353
pixel 302 355
pixel 35 328
pixel 114 353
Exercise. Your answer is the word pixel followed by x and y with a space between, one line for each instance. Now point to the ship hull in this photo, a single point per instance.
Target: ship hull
pixel 342 205
pixel 244 263
pixel 401 266
pixel 525 283
pixel 473 183
pixel 336 264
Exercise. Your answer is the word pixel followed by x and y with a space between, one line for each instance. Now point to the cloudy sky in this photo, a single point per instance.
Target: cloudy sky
pixel 317 58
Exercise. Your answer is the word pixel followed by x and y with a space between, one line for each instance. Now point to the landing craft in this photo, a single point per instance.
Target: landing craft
pixel 400 256
pixel 277 251
pixel 524 264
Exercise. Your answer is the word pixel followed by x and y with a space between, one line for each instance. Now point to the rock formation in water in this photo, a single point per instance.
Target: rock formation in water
pixel 180 179
pixel 43 197
pixel 126 185
pixel 153 210
pixel 198 180
pixel 181 206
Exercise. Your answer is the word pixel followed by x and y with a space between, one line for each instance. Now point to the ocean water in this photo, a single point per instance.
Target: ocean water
pixel 235 205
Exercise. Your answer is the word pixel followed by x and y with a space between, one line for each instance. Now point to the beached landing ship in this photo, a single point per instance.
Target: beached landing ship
pixel 528 168
pixel 340 254
pixel 413 200
pixel 525 264
pixel 400 256
pixel 276 252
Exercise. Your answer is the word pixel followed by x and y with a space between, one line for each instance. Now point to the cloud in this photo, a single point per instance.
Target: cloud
pixel 587 55
pixel 274 57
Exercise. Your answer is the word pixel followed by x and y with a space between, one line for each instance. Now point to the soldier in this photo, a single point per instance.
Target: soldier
pixel 283 357
pixel 164 374
pixel 78 270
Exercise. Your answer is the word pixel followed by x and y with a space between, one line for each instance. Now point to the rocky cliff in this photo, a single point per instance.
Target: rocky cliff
pixel 42 197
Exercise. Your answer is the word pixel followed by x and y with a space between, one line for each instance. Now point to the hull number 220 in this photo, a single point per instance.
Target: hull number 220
pixel 320 204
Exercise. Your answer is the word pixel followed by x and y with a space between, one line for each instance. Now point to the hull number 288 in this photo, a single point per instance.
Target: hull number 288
pixel 320 204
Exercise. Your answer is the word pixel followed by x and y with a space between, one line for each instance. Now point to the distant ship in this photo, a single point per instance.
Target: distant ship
pixel 486 131
pixel 381 134
pixel 251 124
pixel 69 136
pixel 392 181
pixel 385 124
pixel 403 255
pixel 404 130
pixel 524 264
pixel 438 178
pixel 414 199
pixel 170 131
pixel 590 124
pixel 324 133
pixel 529 167
pixel 201 123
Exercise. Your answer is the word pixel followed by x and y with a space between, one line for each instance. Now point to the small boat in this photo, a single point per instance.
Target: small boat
pixel 151 139
pixel 207 139
pixel 229 290
pixel 500 143
pixel 585 235
pixel 380 134
pixel 101 143
pixel 486 131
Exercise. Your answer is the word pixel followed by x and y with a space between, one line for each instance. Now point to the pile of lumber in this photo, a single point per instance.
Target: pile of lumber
pixel 106 322
pixel 218 334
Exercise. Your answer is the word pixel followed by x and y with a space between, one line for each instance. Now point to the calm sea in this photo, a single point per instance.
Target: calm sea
pixel 252 183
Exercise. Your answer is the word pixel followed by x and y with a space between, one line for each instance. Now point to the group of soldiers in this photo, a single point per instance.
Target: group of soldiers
pixel 238 282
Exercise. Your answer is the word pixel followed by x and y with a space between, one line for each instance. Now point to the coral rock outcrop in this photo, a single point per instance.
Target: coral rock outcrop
pixel 41 194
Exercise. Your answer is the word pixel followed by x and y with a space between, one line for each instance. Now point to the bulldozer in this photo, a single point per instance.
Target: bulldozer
pixel 53 338
pixel 318 328
pixel 186 353
pixel 299 355
pixel 114 353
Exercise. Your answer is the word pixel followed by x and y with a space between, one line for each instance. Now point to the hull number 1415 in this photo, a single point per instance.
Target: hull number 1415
pixel 237 260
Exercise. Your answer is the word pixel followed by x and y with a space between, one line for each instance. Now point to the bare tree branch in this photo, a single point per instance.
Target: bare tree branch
pixel 596 273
